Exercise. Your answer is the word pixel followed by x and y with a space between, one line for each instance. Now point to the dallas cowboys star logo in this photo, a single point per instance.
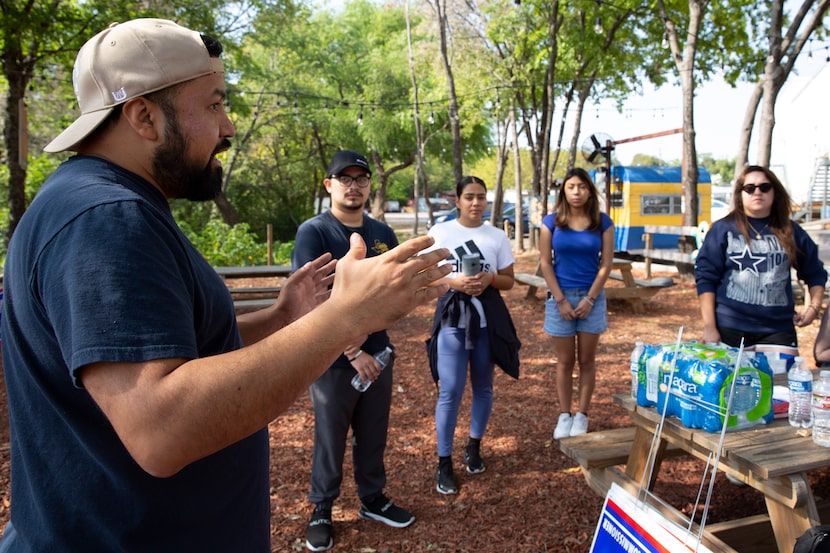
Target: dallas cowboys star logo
pixel 746 261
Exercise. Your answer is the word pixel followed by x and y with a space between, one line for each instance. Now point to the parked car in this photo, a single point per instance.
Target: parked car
pixel 508 214
pixel 720 209
pixel 393 206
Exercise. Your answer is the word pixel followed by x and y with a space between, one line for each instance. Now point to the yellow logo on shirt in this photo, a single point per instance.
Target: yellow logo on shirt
pixel 380 247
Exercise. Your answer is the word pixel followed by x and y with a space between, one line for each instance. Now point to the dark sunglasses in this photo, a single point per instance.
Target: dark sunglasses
pixel 750 188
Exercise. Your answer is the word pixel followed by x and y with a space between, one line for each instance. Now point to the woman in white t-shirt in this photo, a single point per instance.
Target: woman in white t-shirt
pixel 472 327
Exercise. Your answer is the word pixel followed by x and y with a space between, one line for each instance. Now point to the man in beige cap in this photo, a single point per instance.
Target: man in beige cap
pixel 138 419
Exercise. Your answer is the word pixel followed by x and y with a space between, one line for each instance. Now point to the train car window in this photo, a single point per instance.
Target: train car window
pixel 661 204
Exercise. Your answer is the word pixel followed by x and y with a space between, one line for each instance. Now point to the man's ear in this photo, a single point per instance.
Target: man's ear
pixel 144 117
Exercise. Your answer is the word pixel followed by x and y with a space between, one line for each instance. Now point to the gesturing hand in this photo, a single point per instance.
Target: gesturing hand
pixel 376 292
pixel 306 288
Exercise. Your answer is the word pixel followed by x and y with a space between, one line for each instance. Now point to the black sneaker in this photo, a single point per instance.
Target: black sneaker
pixel 318 534
pixel 383 509
pixel 472 458
pixel 446 483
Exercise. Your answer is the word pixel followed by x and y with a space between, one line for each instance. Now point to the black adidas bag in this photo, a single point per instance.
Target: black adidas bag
pixel 814 540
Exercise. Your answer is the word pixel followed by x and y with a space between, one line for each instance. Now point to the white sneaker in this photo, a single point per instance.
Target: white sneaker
pixel 579 425
pixel 563 426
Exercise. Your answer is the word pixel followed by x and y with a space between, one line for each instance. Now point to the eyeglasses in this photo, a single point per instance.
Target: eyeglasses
pixel 346 181
pixel 750 188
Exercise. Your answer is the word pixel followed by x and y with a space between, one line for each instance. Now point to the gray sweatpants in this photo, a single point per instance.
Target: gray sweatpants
pixel 337 407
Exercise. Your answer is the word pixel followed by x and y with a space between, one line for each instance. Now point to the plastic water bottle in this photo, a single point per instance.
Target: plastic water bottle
pixel 635 367
pixel 800 383
pixel 382 357
pixel 652 379
pixel 821 409
pixel 745 395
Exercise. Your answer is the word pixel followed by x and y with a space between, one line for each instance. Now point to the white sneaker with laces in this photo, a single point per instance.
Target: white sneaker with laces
pixel 579 425
pixel 563 426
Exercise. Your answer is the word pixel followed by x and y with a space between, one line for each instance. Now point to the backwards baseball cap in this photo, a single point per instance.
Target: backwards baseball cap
pixel 345 159
pixel 129 60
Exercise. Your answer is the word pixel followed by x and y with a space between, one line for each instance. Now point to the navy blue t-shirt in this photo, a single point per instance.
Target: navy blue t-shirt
pixel 324 233
pixel 98 270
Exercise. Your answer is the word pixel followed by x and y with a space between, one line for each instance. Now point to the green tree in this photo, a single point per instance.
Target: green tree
pixel 38 43
pixel 785 34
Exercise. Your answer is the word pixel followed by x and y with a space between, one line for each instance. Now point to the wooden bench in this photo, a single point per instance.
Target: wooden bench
pixel 533 282
pixel 601 449
pixel 634 291
pixel 657 282
pixel 674 256
pixel 254 297
pixel 245 306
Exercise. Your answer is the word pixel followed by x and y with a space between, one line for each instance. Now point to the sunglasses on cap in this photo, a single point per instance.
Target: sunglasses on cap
pixel 750 188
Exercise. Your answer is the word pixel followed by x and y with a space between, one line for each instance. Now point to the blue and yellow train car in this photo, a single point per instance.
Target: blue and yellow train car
pixel 650 196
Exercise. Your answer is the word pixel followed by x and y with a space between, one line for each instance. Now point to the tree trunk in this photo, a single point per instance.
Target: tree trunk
pixel 440 8
pixel 542 176
pixel 784 49
pixel 517 178
pixel 18 72
pixel 420 171
pixel 746 128
pixel 685 63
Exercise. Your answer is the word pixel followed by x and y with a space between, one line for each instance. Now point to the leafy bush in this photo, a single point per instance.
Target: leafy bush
pixel 223 245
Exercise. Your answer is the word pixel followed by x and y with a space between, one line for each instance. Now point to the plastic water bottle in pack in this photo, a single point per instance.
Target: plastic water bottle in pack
pixel 800 384
pixel 821 409
pixel 635 367
pixel 745 396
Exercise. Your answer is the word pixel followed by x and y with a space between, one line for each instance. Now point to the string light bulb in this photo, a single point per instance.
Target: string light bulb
pixel 360 118
pixel 598 25
pixel 665 42
pixel 431 118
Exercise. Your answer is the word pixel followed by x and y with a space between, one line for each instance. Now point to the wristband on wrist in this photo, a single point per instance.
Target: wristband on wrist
pixel 816 307
pixel 560 302
pixel 356 355
pixel 590 299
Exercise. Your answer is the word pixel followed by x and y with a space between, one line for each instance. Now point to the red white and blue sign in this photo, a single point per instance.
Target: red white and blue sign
pixel 627 525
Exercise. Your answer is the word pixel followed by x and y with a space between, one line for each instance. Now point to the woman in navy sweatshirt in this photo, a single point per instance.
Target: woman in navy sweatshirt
pixel 743 268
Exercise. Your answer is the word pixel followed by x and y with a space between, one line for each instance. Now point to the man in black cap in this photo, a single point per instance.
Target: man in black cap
pixel 338 405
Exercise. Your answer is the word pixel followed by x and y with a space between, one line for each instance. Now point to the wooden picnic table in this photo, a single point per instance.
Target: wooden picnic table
pixel 773 459
pixel 251 298
pixel 634 291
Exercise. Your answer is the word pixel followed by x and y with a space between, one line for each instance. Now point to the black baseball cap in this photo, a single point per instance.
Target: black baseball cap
pixel 345 159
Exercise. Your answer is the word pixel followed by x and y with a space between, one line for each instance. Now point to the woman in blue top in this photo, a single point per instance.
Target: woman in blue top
pixel 576 267
pixel 743 268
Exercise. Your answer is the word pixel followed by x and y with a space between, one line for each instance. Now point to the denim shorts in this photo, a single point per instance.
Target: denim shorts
pixel 595 323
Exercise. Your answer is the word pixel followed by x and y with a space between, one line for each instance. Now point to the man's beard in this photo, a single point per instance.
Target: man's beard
pixel 177 176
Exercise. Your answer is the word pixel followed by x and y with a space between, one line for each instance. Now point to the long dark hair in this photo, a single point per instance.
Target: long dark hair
pixel 563 208
pixel 779 221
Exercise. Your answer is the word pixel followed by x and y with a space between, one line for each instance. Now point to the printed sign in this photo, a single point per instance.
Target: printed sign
pixel 630 526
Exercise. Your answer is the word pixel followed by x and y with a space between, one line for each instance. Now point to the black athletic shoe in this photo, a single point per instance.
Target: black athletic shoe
pixel 472 458
pixel 383 509
pixel 445 477
pixel 318 535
